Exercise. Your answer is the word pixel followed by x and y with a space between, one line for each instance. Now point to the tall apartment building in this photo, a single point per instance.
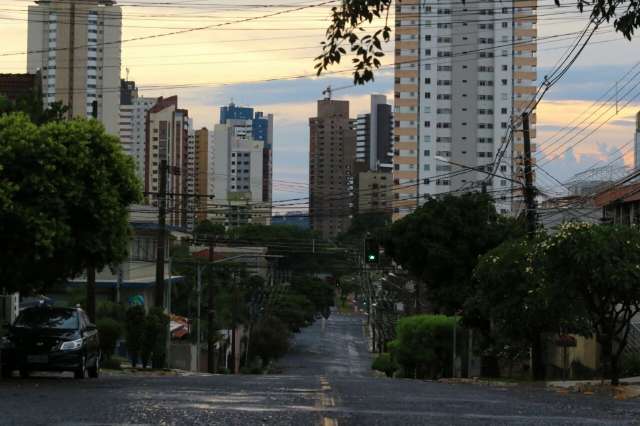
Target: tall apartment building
pixel 204 173
pixel 261 129
pixel 15 87
pixel 169 137
pixel 76 46
pixel 238 178
pixel 373 178
pixel 331 161
pixel 132 124
pixel 464 72
pixel 374 131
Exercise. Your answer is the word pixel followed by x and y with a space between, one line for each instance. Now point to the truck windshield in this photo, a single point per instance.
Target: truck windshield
pixel 48 318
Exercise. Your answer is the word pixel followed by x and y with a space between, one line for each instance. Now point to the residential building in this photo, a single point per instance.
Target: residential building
pixel 169 136
pixel 636 151
pixel 132 124
pixel 374 141
pixel 204 173
pixel 76 45
pixel 464 74
pixel 19 86
pixel 238 178
pixel 374 194
pixel 373 179
pixel 331 161
pixel 261 130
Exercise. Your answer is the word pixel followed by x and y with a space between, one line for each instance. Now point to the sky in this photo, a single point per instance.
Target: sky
pixel 228 60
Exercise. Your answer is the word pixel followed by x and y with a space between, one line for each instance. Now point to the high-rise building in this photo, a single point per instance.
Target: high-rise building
pixel 331 162
pixel 261 129
pixel 169 136
pixel 238 178
pixel 373 178
pixel 76 46
pixel 204 173
pixel 15 87
pixel 636 151
pixel 132 124
pixel 464 73
pixel 374 130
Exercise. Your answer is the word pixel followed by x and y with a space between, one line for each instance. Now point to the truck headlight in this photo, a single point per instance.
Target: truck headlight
pixel 71 345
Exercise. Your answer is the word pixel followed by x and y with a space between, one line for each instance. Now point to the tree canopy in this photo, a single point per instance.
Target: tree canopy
pixel 441 241
pixel 66 187
pixel 600 265
pixel 347 32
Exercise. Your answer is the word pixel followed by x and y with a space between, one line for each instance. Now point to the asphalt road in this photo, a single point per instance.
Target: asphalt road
pixel 325 381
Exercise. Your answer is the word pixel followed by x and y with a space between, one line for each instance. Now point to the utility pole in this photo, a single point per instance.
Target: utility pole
pixel 162 200
pixel 199 290
pixel 211 315
pixel 529 191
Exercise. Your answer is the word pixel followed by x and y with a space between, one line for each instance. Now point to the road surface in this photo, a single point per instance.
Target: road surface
pixel 325 380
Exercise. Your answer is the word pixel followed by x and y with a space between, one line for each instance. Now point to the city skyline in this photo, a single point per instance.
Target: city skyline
pixel 221 61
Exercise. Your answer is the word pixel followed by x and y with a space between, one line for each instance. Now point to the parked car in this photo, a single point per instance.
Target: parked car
pixel 46 338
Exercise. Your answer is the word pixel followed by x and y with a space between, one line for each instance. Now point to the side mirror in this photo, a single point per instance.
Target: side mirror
pixel 90 327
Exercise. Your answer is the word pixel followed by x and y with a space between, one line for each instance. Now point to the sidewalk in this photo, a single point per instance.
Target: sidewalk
pixel 629 387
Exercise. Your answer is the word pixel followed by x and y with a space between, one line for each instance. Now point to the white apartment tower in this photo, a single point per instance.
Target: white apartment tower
pixel 76 46
pixel 238 176
pixel 464 73
pixel 132 124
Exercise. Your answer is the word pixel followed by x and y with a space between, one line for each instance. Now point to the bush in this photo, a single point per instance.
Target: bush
pixel 134 332
pixel 154 339
pixel 423 345
pixel 385 364
pixel 109 332
pixel 631 365
pixel 113 363
pixel 580 371
pixel 111 310
pixel 269 340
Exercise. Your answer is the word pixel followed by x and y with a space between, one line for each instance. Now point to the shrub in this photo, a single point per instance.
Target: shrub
pixel 385 363
pixel 109 332
pixel 134 332
pixel 631 365
pixel 269 339
pixel 154 339
pixel 423 345
pixel 111 310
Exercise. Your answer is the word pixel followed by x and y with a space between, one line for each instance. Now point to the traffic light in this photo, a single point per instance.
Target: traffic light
pixel 371 251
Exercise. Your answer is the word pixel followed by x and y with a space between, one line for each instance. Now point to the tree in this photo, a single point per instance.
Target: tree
pixel 600 266
pixel 31 104
pixel 515 303
pixel 349 19
pixel 67 185
pixel 209 229
pixel 440 243
pixel 269 339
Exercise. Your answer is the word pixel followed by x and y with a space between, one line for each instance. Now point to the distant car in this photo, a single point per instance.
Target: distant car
pixel 46 338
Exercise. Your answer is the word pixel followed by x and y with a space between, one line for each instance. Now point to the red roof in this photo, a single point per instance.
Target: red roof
pixel 624 194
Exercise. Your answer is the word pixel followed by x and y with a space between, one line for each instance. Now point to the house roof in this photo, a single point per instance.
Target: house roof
pixel 619 194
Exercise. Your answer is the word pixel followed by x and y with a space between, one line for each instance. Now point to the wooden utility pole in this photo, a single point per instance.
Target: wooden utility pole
pixel 529 191
pixel 162 219
pixel 211 354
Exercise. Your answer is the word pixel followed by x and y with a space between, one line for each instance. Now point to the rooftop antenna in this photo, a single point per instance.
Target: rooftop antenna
pixel 127 70
pixel 327 93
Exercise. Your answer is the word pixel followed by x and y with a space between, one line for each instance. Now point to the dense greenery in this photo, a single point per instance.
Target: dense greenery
pixel 599 266
pixel 440 243
pixel 347 32
pixel 423 347
pixel 65 188
pixel 385 364
pixel 110 331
